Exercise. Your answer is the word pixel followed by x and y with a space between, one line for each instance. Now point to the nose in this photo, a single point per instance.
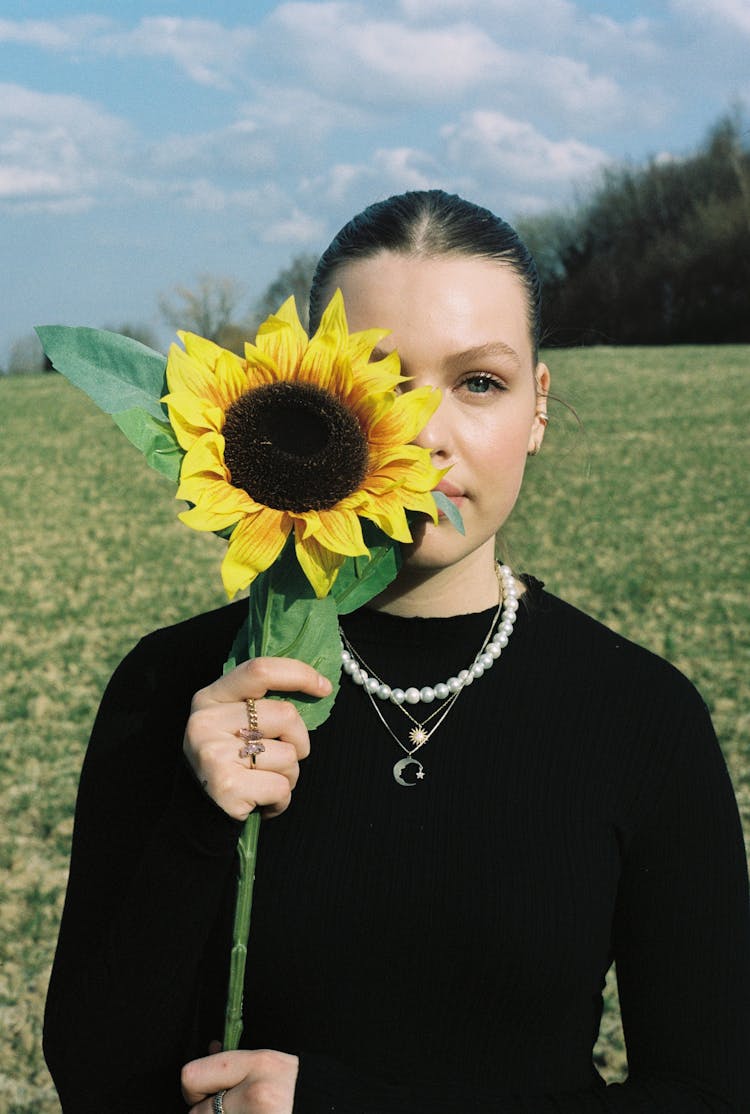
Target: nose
pixel 437 436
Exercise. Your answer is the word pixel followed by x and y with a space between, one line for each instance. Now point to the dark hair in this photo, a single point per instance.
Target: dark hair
pixel 428 223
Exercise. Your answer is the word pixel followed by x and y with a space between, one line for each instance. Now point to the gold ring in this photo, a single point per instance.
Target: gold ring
pixel 250 735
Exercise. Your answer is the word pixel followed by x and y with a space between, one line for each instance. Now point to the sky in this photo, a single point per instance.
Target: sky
pixel 147 144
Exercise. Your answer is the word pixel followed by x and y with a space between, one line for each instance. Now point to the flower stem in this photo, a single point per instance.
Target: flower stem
pixel 246 851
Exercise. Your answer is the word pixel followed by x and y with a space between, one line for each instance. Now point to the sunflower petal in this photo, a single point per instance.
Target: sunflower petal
pixel 205 351
pixel 406 417
pixel 416 473
pixel 319 564
pixel 205 457
pixel 282 338
pixel 341 531
pixel 208 520
pixel 231 378
pixel 261 368
pixel 192 417
pixel 214 496
pixel 388 513
pixel 326 365
pixel 333 319
pixel 420 501
pixel 187 374
pixel 361 344
pixel 370 394
pixel 253 547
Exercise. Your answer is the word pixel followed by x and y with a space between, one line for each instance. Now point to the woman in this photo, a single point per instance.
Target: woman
pixel 440 894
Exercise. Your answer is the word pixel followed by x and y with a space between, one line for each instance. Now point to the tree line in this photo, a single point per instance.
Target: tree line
pixel 654 253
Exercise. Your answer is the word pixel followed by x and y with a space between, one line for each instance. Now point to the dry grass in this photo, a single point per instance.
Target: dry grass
pixel 636 520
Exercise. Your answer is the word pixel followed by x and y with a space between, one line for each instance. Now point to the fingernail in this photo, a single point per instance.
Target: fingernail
pixel 324 684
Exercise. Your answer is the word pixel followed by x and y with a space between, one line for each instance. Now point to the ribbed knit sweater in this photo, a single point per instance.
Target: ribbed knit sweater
pixel 434 948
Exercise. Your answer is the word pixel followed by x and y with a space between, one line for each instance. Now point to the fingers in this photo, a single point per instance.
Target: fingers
pixel 277 719
pixel 204 1077
pixel 256 1082
pixel 261 675
pixel 236 785
pixel 212 746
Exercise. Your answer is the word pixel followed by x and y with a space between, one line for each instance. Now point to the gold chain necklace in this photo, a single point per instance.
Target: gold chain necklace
pixel 446 693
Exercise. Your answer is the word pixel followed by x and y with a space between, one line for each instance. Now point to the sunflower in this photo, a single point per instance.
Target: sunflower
pixel 301 435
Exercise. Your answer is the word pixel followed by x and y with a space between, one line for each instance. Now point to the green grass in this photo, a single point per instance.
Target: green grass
pixel 638 518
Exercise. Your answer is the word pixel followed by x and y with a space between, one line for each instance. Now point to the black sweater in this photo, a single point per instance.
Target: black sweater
pixel 437 948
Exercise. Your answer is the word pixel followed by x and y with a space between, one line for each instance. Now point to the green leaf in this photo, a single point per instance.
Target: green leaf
pixel 155 439
pixel 362 578
pixel 287 620
pixel 450 510
pixel 118 373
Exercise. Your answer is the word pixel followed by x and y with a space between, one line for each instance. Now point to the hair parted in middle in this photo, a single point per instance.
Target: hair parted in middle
pixel 428 223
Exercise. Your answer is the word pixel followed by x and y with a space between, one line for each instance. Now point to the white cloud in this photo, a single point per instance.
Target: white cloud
pixel 362 57
pixel 571 86
pixel 487 142
pixel 56 150
pixel 547 15
pixel 240 148
pixel 556 26
pixel 389 64
pixel 207 52
pixel 413 170
pixel 349 186
pixel 47 34
pixel 269 212
pixel 301 115
pixel 282 132
pixel 297 228
pixel 732 15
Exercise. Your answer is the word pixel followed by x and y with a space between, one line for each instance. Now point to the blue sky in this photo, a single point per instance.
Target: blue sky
pixel 143 145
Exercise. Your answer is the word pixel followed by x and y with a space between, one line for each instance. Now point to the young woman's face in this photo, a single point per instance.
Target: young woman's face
pixel 460 324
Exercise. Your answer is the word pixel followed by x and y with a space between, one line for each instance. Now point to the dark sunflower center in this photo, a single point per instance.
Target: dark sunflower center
pixel 294 447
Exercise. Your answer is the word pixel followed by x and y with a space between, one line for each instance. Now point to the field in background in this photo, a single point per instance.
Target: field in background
pixel 639 518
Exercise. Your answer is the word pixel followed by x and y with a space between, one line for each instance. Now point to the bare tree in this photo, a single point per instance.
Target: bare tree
pixel 295 279
pixel 144 333
pixel 209 310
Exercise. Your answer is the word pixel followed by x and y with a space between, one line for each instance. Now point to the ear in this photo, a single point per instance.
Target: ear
pixel 539 424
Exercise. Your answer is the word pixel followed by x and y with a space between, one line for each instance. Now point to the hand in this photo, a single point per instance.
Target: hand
pixel 212 747
pixel 259 1082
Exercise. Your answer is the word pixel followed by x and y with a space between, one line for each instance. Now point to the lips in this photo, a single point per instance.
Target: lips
pixel 455 494
pixel 450 490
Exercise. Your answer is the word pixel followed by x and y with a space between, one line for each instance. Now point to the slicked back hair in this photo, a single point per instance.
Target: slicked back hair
pixel 428 224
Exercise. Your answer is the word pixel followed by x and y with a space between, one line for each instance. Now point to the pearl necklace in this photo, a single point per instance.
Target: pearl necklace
pixel 447 691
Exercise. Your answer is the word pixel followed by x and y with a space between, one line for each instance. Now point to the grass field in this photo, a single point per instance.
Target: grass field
pixel 640 519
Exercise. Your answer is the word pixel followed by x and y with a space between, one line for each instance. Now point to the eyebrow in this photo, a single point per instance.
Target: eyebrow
pixel 480 352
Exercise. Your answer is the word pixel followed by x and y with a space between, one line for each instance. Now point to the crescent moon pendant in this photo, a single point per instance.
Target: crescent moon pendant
pixel 402 766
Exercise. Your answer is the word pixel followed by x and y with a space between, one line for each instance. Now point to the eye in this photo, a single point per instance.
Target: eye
pixel 481 383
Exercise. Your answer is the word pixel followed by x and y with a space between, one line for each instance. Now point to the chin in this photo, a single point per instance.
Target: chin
pixel 436 547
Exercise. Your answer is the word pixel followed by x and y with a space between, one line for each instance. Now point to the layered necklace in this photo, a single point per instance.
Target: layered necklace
pixel 409 770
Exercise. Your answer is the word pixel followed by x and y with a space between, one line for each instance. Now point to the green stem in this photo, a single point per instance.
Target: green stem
pixel 246 852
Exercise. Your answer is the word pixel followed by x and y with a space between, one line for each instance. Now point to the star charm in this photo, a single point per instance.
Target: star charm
pixel 420 773
pixel 418 737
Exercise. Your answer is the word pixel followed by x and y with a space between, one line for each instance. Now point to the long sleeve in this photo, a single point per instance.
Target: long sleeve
pixel 682 939
pixel 149 869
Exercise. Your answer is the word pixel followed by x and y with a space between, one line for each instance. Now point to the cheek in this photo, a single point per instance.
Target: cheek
pixel 504 445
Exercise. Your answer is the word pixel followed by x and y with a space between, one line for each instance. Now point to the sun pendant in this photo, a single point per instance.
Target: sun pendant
pixel 418 737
